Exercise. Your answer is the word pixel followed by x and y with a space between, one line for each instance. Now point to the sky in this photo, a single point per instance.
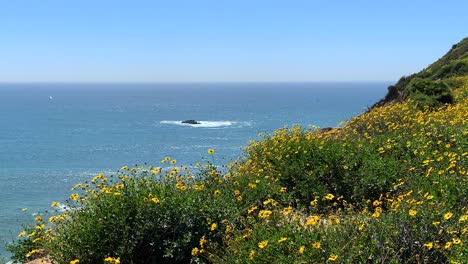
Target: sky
pixel 224 40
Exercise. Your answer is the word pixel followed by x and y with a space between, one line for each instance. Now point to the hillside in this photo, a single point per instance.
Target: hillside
pixel 442 72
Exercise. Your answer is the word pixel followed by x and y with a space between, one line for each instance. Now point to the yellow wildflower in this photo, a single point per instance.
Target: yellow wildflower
pixel 263 244
pixel 287 210
pixel 301 250
pixel 74 196
pixel 202 241
pixel 316 244
pixel 211 151
pixel 282 239
pixel 112 260
pixel 314 202
pixel 270 201
pixel 214 226
pixel 429 245
pixel 198 187
pixel 448 215
pixel 448 245
pixel 251 209
pixel 333 257
pixel 32 252
pixel 264 214
pixel 312 220
pixel 412 212
pixel 251 254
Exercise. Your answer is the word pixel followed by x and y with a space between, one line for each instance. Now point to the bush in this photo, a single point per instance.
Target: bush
pixel 31 242
pixel 139 218
pixel 453 69
pixel 412 232
pixel 311 163
pixel 428 93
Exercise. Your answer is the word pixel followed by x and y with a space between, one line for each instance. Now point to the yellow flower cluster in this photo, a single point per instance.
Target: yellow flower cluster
pixel 112 260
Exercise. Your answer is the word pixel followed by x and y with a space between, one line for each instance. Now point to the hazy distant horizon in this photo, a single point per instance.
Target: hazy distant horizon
pixel 224 41
pixel 195 82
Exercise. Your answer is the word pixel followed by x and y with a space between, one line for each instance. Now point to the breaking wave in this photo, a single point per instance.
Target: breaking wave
pixel 206 124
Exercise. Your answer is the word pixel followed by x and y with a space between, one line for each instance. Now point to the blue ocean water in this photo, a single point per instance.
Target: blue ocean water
pixel 55 135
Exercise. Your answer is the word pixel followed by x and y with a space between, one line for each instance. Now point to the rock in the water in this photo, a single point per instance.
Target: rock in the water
pixel 191 121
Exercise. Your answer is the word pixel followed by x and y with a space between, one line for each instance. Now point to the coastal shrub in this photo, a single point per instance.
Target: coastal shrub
pixel 396 191
pixel 428 92
pixel 454 68
pixel 140 216
pixel 30 241
pixel 415 230
pixel 420 215
pixel 310 163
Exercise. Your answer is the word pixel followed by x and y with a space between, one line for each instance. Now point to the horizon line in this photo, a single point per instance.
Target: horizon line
pixel 192 82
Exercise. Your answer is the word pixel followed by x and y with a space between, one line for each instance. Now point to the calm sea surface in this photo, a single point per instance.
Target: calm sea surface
pixel 55 135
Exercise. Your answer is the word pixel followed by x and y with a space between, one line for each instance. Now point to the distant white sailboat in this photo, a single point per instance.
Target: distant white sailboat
pixel 50 97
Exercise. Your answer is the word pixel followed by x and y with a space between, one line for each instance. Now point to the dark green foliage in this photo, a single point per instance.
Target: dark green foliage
pixel 453 69
pixel 427 92
pixel 137 229
pixel 453 83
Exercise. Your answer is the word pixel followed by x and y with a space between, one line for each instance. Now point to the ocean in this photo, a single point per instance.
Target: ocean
pixel 55 135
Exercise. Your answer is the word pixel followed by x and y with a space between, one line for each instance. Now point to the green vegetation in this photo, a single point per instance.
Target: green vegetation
pixel 441 73
pixel 390 186
pixel 426 92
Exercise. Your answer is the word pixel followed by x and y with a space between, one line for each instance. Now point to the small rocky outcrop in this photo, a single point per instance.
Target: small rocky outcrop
pixel 191 121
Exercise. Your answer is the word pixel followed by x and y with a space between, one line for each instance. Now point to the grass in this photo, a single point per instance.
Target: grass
pixel 390 186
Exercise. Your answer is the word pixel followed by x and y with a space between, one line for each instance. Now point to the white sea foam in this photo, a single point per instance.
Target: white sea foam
pixel 206 124
pixel 193 146
pixel 63 208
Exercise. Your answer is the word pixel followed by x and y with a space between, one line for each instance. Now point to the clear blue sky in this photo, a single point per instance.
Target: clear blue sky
pixel 216 40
